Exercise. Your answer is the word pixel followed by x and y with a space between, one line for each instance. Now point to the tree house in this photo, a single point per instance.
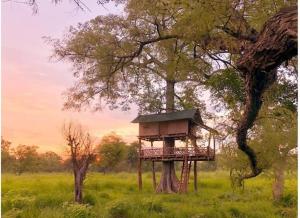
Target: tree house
pixel 181 125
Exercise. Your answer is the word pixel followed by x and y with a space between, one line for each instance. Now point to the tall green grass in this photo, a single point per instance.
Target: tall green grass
pixel 116 196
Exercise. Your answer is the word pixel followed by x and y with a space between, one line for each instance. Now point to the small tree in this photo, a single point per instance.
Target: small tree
pixel 51 162
pixel 111 150
pixel 81 152
pixel 27 159
pixel 7 159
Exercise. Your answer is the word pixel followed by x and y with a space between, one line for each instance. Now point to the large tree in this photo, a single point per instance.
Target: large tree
pixel 254 38
pixel 118 58
pixel 134 59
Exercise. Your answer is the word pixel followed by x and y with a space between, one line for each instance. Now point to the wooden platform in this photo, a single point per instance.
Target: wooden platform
pixel 177 154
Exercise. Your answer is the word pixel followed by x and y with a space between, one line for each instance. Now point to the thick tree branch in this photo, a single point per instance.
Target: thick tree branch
pixel 276 43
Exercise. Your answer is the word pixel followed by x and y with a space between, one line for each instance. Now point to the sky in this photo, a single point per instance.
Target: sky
pixel 32 85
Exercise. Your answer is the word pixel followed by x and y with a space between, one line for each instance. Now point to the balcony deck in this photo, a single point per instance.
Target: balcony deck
pixel 178 154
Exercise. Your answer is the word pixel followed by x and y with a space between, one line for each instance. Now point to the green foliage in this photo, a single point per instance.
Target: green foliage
pixel 51 162
pixel 276 136
pixel 27 159
pixel 228 86
pixel 13 213
pixel 7 158
pixel 118 209
pixel 89 199
pixel 77 210
pixel 117 59
pixel 44 200
pixel 284 93
pixel 112 151
pixel 289 200
pixel 18 202
pixel 132 155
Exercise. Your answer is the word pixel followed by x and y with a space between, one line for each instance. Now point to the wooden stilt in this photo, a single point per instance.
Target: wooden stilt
pixel 182 174
pixel 190 166
pixel 208 147
pixel 153 171
pixel 140 166
pixel 195 176
pixel 185 170
pixel 214 140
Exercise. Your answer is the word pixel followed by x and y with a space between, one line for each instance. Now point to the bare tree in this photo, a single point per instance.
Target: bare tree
pixel 81 152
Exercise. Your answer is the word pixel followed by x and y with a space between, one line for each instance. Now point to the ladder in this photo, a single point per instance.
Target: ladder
pixel 185 174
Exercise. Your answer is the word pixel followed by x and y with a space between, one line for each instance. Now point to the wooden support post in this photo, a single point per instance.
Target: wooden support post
pixel 209 138
pixel 195 176
pixel 140 166
pixel 153 171
pixel 185 176
pixel 164 146
pixel 214 146
pixel 190 166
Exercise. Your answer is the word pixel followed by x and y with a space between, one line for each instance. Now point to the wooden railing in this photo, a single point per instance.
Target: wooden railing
pixel 171 152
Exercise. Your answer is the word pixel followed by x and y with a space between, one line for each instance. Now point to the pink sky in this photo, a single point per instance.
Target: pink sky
pixel 32 85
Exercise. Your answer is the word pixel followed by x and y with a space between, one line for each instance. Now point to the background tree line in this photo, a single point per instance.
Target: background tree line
pixel 113 154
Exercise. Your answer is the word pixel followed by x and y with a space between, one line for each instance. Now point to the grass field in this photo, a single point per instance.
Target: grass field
pixel 51 195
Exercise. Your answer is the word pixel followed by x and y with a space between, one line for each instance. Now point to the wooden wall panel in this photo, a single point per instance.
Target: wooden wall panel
pixel 163 128
pixel 178 126
pixel 148 129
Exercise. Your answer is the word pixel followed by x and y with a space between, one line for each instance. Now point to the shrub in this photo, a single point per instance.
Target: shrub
pixel 288 200
pixel 75 210
pixel 17 202
pixel 89 199
pixel 119 209
pixel 151 205
pixel 287 213
pixel 104 195
pixel 48 201
pixel 236 213
pixel 14 213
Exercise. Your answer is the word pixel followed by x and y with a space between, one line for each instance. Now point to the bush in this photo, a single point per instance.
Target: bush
pixel 151 205
pixel 236 213
pixel 104 195
pixel 14 213
pixel 119 209
pixel 89 199
pixel 287 213
pixel 17 202
pixel 43 201
pixel 288 200
pixel 75 210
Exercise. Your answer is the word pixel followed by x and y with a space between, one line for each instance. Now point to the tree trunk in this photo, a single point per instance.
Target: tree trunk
pixel 278 185
pixel 276 43
pixel 169 183
pixel 78 187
